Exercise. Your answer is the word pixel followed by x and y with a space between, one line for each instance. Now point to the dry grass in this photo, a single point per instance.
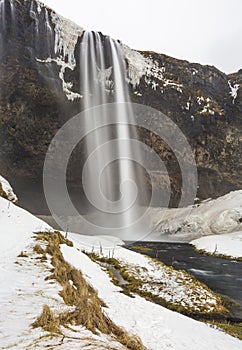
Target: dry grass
pixel 41 252
pixel 22 255
pixel 217 255
pixel 135 286
pixel 4 195
pixel 2 192
pixel 78 293
pixel 38 249
pixel 48 321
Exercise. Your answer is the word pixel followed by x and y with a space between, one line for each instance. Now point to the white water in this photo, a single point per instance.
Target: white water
pixel 111 180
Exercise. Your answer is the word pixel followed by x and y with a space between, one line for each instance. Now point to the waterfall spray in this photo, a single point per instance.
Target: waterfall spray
pixel 111 179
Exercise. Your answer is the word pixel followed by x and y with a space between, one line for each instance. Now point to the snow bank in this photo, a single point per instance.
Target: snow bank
pixel 226 244
pixel 218 216
pixel 25 289
pixel 8 190
pixel 158 327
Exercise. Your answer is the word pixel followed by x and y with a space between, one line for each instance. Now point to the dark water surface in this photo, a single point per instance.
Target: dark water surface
pixel 221 275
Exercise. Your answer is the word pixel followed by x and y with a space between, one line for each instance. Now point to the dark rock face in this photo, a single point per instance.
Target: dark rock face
pixel 35 101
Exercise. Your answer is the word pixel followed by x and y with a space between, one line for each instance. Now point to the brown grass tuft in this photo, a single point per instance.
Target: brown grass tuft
pixel 38 249
pixel 22 255
pixel 78 293
pixel 47 321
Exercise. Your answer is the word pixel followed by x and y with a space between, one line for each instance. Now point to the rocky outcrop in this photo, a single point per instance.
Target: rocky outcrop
pixel 6 191
pixel 39 91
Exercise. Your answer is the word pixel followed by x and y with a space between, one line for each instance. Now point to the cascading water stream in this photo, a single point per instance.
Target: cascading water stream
pixel 110 177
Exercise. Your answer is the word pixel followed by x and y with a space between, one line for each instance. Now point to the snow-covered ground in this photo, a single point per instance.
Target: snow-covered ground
pixel 158 327
pixel 229 245
pixel 164 282
pixel 211 217
pixel 24 291
pixel 8 190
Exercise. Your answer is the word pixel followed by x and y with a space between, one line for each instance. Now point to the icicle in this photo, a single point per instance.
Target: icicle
pixel 66 37
pixel 34 16
pixel 2 13
pixel 47 21
pixel 12 10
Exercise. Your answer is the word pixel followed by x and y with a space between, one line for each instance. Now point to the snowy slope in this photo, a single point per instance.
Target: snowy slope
pixel 227 244
pixel 158 327
pixel 24 290
pixel 222 215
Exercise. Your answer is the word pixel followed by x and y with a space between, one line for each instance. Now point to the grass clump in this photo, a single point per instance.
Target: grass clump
pixel 137 282
pixel 2 192
pixel 48 321
pixel 38 249
pixel 22 255
pixel 76 292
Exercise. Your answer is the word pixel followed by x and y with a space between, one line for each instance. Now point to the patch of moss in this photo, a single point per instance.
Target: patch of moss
pixel 138 247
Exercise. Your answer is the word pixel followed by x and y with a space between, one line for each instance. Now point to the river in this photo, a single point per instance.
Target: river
pixel 221 275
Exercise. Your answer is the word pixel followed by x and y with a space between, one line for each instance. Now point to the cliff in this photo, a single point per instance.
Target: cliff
pixel 39 91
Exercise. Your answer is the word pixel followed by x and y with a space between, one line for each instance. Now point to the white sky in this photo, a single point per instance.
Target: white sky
pixel 203 31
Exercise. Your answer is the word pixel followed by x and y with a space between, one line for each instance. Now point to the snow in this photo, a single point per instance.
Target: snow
pixel 66 86
pixel 218 216
pixel 158 327
pixel 233 90
pixel 139 66
pixel 227 244
pixel 8 190
pixel 66 37
pixel 188 106
pixel 137 93
pixel 200 100
pixel 177 286
pixel 25 289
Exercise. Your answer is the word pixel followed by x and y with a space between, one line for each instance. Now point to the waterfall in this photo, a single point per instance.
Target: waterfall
pixel 110 178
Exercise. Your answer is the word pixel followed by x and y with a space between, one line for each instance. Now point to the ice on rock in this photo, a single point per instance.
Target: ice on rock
pixel 137 65
pixel 234 90
pixel 66 38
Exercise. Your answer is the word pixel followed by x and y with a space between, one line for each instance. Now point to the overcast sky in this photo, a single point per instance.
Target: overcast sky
pixel 204 31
